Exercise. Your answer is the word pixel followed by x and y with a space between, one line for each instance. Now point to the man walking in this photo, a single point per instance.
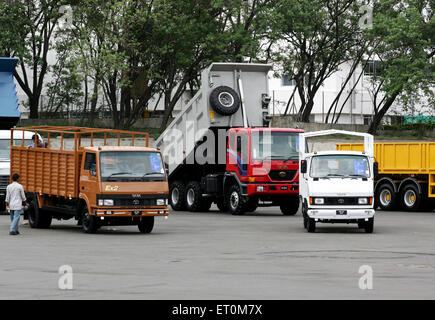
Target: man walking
pixel 15 198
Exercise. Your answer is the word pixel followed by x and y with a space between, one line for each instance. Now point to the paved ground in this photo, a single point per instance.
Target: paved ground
pixel 218 256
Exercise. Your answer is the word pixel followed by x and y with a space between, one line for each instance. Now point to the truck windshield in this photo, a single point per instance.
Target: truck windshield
pixel 5 147
pixel 274 145
pixel 330 166
pixel 127 165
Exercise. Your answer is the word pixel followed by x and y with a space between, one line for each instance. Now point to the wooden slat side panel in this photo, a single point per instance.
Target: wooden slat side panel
pixel 51 172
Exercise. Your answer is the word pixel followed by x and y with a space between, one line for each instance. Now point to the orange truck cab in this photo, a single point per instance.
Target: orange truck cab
pixel 98 185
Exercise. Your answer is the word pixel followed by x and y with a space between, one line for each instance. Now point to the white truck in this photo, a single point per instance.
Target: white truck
pixel 337 186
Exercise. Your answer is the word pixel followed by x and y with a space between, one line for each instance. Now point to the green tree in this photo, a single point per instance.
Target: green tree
pixel 28 35
pixel 405 33
pixel 311 39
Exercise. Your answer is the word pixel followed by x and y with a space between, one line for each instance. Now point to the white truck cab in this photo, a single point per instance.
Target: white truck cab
pixel 5 148
pixel 337 186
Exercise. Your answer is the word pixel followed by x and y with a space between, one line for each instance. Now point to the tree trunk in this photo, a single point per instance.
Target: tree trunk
pixel 34 106
pixel 377 118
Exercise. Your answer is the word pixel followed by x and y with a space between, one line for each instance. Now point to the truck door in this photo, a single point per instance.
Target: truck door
pixel 88 178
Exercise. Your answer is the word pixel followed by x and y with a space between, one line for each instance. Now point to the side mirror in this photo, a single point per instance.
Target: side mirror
pixel 93 170
pixel 375 169
pixel 304 166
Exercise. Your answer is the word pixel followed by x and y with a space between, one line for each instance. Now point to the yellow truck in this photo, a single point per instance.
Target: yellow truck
pixel 89 175
pixel 406 174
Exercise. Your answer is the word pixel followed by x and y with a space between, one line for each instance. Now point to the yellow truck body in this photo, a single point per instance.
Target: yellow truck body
pixel 403 163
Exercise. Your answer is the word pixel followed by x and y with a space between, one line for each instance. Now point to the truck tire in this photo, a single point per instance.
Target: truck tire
pixel 89 222
pixel 38 218
pixel 235 201
pixel 224 100
pixel 410 198
pixel 386 197
pixel 311 225
pixel 146 225
pixel 290 207
pixel 194 196
pixel 177 195
pixel 369 225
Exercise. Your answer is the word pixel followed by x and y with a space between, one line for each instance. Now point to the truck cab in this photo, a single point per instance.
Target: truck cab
pixel 123 182
pixel 262 168
pixel 337 186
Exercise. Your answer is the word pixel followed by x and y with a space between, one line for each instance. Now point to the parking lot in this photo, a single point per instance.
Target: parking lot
pixel 212 255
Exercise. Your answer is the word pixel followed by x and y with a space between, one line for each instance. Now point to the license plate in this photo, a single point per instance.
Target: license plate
pixel 284 188
pixel 341 212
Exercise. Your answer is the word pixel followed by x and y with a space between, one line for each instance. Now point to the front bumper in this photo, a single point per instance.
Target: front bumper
pixel 130 212
pixel 337 214
pixel 272 189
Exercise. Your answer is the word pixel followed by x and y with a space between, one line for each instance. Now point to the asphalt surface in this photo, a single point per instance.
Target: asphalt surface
pixel 219 256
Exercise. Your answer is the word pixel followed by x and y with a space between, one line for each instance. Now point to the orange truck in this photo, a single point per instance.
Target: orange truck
pixel 91 175
pixel 406 174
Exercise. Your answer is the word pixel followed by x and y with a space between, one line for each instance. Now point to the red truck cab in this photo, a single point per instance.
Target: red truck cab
pixel 262 169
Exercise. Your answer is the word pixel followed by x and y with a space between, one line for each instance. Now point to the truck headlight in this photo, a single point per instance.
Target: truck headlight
pixel 100 202
pixel 362 201
pixel 160 202
pixel 260 189
pixel 108 202
pixel 319 201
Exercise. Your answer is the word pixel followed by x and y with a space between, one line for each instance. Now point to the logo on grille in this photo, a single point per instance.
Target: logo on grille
pixel 136 202
pixel 136 195
pixel 340 201
pixel 282 174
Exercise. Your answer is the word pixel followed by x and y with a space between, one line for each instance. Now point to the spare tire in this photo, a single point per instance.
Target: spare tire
pixel 224 100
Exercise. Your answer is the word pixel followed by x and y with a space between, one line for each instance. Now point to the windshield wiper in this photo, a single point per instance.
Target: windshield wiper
pixel 357 176
pixel 118 173
pixel 153 172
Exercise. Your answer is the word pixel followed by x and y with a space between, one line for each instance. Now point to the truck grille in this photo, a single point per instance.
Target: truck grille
pixel 282 175
pixel 134 202
pixel 129 201
pixel 4 181
pixel 341 201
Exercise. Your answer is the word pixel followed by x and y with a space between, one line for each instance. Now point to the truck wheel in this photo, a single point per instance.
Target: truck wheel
pixel 177 195
pixel 369 225
pixel 235 201
pixel 224 100
pixel 411 198
pixel 290 207
pixel 386 197
pixel 311 225
pixel 89 222
pixel 193 196
pixel 38 218
pixel 222 205
pixel 146 225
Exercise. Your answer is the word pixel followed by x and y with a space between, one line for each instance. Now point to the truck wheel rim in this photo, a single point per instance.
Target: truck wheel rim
pixel 234 200
pixel 190 197
pixel 385 197
pixel 410 198
pixel 175 196
pixel 226 99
